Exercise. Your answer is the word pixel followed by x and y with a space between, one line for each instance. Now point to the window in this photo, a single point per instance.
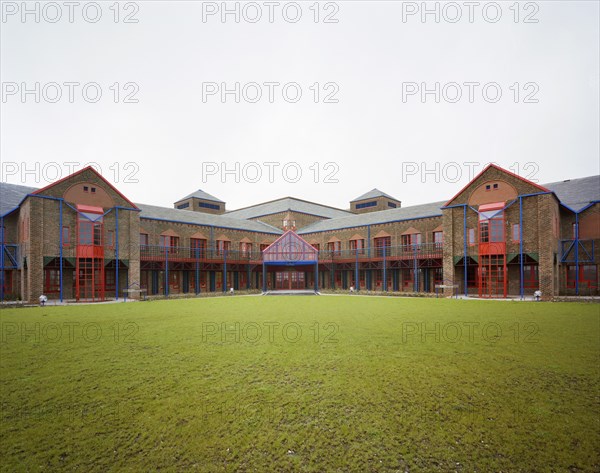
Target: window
pixel 408 282
pixel 222 247
pixel 110 239
pixel 144 239
pixel 516 232
pixel 51 280
pixel 530 276
pixel 438 276
pixel 471 236
pixel 66 236
pixel 491 226
pixel 472 275
pixel 90 233
pixel 488 187
pixel 357 246
pixel 392 205
pixel 411 240
pixel 110 279
pixel 438 239
pixel 334 247
pixel 495 186
pixel 263 246
pixel 245 249
pixel 588 275
pixel 381 246
pixel 198 247
pixel 366 205
pixel 316 246
pixel 86 188
pixel 289 223
pixel 206 205
pixel 183 206
pixel 93 190
pixel 171 242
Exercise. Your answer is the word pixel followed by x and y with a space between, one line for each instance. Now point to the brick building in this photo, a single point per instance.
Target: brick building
pixel 501 235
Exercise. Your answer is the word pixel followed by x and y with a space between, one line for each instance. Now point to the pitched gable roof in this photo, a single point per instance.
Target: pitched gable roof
pixel 200 194
pixel 494 166
pixel 577 193
pixel 200 218
pixel 287 204
pixel 373 194
pixel 11 196
pixel 374 218
pixel 81 171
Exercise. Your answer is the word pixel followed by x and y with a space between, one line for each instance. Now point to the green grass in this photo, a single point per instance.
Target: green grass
pixel 493 386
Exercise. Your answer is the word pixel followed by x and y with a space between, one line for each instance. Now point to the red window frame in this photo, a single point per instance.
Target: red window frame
pixel 334 247
pixel 380 244
pixel 413 239
pixel 516 233
pixel 110 239
pixel 588 275
pixel 8 282
pixel 245 249
pixel 408 278
pixel 223 246
pixel 358 246
pixel 471 237
pixel 89 233
pixel 66 236
pixel 198 247
pixel 531 276
pixel 51 280
pixel 110 279
pixel 173 243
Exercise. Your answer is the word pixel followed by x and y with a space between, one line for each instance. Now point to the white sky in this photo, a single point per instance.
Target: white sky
pixel 370 134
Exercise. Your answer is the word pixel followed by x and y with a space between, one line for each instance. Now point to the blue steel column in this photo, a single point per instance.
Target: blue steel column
pixel 317 276
pixel 60 258
pixel 197 285
pixel 117 253
pixel 224 283
pixel 465 247
pixel 415 269
pixel 521 262
pixel 167 269
pixel 356 281
pixel 576 253
pixel 384 286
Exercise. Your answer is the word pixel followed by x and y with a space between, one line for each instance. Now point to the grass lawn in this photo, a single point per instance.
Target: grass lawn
pixel 330 383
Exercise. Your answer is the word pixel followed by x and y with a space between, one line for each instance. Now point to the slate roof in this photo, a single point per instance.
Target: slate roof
pixel 373 194
pixel 11 196
pixel 200 194
pixel 373 218
pixel 576 193
pixel 288 203
pixel 200 218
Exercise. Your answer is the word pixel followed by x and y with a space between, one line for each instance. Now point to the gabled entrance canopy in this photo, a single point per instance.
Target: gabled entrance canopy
pixel 290 250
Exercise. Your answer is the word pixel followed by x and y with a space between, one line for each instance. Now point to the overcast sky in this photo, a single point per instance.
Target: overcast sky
pixel 371 61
